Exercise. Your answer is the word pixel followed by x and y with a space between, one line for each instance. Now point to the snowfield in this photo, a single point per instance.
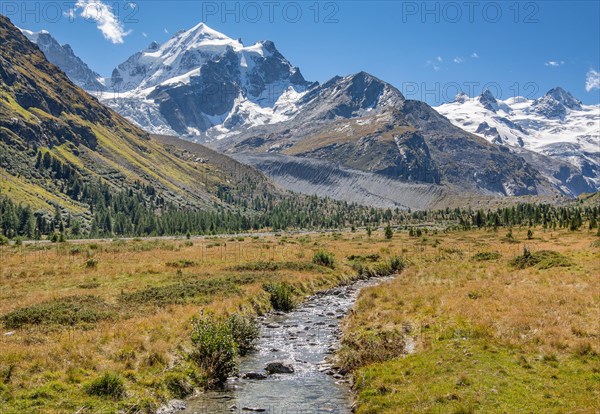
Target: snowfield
pixel 556 125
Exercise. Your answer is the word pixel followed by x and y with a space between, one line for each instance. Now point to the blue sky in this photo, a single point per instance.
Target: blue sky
pixel 429 50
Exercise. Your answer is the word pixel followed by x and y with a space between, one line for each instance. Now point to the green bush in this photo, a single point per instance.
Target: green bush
pixel 389 233
pixel 214 349
pixel 544 259
pixel 322 258
pixel 282 296
pixel 365 258
pixel 179 264
pixel 91 263
pixel 391 267
pixel 178 385
pixel 485 256
pixel 3 240
pixel 89 285
pixel 267 266
pixel 108 385
pixel 397 264
pixel 187 291
pixel 67 311
pixel 245 332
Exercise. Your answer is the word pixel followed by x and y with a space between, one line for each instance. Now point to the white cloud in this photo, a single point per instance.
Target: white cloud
pixel 475 55
pixel 458 60
pixel 166 31
pixel 554 63
pixel 144 34
pixel 106 21
pixel 439 59
pixel 592 80
pixel 70 14
pixel 433 65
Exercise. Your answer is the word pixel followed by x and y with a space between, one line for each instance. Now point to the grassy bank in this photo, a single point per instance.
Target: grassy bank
pixel 105 326
pixel 483 326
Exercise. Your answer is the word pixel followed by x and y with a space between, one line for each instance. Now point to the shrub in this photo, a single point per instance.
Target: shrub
pixel 397 264
pixel 245 332
pixel 3 240
pixel 91 263
pixel 183 263
pixel 389 233
pixel 65 311
pixel 108 385
pixel 393 266
pixel 365 258
pixel 181 293
pixel 268 266
pixel 88 285
pixel 322 258
pixel 178 385
pixel 282 296
pixel 544 259
pixel 485 256
pixel 214 349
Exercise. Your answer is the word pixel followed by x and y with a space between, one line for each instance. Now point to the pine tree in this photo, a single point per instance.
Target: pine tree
pixel 389 233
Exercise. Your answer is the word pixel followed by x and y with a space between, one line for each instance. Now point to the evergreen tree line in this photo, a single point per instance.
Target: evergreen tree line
pixel 130 213
pixel 141 211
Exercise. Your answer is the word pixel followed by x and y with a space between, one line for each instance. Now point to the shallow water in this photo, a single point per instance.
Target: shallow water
pixel 305 337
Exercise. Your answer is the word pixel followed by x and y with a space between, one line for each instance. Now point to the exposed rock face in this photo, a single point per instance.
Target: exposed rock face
pixel 372 128
pixel 555 104
pixel 488 101
pixel 64 57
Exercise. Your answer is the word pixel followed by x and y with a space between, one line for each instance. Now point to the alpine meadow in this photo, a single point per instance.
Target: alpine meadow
pixel 190 223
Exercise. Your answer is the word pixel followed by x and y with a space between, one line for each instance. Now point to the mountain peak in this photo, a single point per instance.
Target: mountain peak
pixel 488 101
pixel 202 31
pixel 564 97
pixel 555 103
pixel 64 57
pixel 461 98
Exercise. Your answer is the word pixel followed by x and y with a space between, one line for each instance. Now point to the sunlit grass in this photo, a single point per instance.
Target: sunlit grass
pixel 483 335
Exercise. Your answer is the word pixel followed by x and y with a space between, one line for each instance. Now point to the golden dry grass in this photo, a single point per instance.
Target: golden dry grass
pixel 483 319
pixel 443 292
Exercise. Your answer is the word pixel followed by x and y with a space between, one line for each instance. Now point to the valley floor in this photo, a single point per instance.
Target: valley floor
pixel 481 334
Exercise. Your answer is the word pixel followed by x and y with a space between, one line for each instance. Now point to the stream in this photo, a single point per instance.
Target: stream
pixel 305 338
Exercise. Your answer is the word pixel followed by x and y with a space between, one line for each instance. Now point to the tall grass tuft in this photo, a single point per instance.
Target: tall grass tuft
pixel 282 296
pixel 322 258
pixel 108 385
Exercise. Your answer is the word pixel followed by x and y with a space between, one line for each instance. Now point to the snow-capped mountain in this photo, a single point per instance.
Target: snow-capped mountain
pixel 203 83
pixel 205 86
pixel 64 57
pixel 556 125
pixel 250 102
